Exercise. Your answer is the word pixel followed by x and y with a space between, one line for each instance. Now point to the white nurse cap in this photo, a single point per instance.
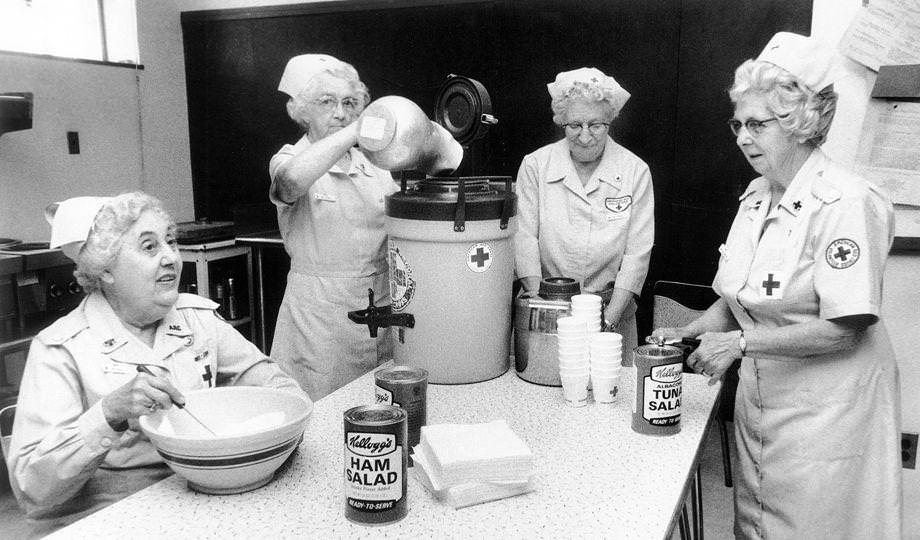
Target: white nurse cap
pixel 588 77
pixel 71 222
pixel 810 60
pixel 300 69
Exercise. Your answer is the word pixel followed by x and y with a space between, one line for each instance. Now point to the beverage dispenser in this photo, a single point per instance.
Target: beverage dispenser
pixel 450 252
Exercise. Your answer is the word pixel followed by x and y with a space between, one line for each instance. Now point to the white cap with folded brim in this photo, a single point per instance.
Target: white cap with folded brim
pixel 71 222
pixel 810 60
pixel 588 77
pixel 300 69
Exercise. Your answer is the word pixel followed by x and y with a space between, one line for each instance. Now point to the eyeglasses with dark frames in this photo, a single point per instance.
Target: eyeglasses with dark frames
pixel 595 128
pixel 754 127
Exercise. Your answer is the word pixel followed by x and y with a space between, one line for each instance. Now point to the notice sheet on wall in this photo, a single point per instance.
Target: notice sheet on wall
pixel 889 154
pixel 883 33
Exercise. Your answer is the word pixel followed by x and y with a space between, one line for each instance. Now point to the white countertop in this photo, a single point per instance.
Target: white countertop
pixel 594 475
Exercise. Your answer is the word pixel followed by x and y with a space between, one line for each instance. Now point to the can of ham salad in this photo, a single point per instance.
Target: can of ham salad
pixel 376 462
pixel 406 387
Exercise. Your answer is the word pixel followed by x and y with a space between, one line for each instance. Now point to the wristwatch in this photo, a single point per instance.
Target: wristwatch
pixel 742 343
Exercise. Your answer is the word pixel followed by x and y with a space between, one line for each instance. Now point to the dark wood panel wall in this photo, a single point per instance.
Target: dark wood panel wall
pixel 675 57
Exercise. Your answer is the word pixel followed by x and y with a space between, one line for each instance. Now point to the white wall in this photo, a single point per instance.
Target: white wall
pixel 98 102
pixel 901 294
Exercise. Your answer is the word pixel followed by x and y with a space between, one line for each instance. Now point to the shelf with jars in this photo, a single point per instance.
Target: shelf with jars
pixel 221 271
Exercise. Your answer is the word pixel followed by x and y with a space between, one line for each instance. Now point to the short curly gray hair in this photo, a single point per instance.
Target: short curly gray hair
pixel 106 236
pixel 346 72
pixel 802 113
pixel 560 105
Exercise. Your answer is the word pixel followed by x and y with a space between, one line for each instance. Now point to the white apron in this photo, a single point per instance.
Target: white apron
pixel 337 243
pixel 818 437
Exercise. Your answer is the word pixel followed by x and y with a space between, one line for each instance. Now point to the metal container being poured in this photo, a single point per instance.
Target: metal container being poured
pixel 395 135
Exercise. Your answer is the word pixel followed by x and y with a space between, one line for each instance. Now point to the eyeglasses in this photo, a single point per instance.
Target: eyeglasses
pixel 329 103
pixel 595 128
pixel 754 127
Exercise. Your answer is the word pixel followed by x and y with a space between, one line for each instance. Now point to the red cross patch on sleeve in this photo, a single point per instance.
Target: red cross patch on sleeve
pixel 842 253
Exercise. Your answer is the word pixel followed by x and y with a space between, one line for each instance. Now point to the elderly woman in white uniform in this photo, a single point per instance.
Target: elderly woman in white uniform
pixel 586 205
pixel 76 443
pixel 330 202
pixel 817 414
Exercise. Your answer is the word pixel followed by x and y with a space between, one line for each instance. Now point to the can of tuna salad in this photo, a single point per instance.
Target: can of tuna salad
pixel 406 387
pixel 376 462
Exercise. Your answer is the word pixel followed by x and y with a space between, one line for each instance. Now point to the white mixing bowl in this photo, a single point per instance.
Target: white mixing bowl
pixel 257 429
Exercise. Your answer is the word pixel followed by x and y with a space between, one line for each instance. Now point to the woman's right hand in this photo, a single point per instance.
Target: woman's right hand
pixel 141 395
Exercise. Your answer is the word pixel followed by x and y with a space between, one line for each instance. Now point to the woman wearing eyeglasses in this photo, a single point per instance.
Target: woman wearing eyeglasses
pixel 586 206
pixel 330 203
pixel 817 413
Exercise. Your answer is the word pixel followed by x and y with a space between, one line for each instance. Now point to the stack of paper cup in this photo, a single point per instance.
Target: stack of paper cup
pixel 587 307
pixel 606 350
pixel 573 360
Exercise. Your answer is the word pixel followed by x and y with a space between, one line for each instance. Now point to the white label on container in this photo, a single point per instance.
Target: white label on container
pixel 402 284
pixel 662 393
pixel 479 257
pixel 373 127
pixel 384 396
pixel 373 465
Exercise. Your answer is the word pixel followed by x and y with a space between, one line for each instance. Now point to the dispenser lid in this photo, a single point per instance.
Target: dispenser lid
pixel 438 199
pixel 460 107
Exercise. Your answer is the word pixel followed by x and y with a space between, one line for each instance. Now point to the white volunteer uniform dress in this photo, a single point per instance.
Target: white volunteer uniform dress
pixel 64 456
pixel 335 237
pixel 598 234
pixel 818 438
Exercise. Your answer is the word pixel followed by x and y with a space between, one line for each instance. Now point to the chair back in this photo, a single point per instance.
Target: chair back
pixel 677 304
pixel 6 427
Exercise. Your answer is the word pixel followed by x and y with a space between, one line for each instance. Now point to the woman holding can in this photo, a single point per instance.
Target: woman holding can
pixel 585 203
pixel 817 413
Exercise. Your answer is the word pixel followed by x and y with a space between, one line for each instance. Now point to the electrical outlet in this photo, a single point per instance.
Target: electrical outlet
pixel 909 450
pixel 73 142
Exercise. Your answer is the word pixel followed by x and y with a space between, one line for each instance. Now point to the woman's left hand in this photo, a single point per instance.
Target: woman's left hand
pixel 716 353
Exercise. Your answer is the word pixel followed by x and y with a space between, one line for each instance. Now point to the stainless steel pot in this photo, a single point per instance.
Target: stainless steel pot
pixel 536 349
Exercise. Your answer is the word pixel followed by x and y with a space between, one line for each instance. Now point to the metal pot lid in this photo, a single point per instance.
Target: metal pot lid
pixel 464 109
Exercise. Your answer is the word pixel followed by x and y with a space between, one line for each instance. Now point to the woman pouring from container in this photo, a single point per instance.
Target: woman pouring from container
pixel 586 205
pixel 330 203
pixel 76 443
pixel 817 413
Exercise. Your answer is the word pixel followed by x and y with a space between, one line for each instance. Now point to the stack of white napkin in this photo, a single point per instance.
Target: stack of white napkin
pixel 467 464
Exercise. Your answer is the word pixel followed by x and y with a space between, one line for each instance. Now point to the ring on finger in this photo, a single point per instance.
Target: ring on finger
pixel 153 406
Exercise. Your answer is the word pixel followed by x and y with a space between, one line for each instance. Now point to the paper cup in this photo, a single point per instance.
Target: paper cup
pixel 574 371
pixel 605 388
pixel 573 356
pixel 608 339
pixel 574 364
pixel 586 299
pixel 605 372
pixel 575 389
pixel 601 348
pixel 612 368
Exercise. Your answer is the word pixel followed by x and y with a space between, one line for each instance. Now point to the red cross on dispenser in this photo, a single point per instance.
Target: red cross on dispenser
pixel 479 257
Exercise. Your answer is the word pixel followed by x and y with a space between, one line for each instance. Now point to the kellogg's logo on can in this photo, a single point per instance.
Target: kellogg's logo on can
pixel 375 464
